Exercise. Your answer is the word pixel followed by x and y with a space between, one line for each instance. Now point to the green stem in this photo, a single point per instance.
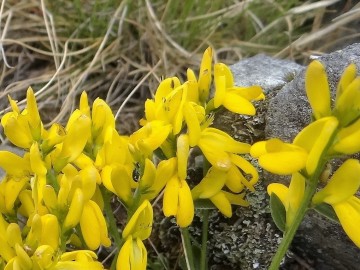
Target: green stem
pixel 187 248
pixel 290 232
pixel 205 226
pixel 110 218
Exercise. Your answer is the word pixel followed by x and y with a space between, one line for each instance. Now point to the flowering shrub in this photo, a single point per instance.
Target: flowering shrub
pixel 55 199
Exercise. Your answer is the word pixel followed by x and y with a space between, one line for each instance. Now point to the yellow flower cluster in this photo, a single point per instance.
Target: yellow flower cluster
pixel 178 119
pixel 333 133
pixel 53 197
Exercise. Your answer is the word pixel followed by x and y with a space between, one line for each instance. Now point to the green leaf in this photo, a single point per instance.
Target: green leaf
pixel 278 211
pixel 327 211
pixel 204 204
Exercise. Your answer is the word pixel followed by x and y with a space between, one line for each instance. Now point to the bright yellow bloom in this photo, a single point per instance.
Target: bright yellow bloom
pixel 148 138
pixel 22 128
pixel 235 99
pixel 78 260
pixel 78 132
pixel 346 141
pixel 140 223
pixel 317 89
pixel 164 171
pixel 204 82
pixel 315 138
pixel 223 201
pixel 93 226
pixel 217 147
pixel 178 201
pixel 132 256
pixel 290 196
pixel 339 193
pixel 278 157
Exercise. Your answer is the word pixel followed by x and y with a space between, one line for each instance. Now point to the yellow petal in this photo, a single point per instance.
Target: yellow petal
pixel 205 75
pixel 14 165
pixel 165 171
pixel 348 213
pixel 185 213
pixel 315 138
pixel 247 168
pixel 294 196
pixel 103 231
pixel 222 203
pixel 234 179
pixel 90 228
pixel 123 260
pixel 347 106
pixel 281 191
pixel 220 88
pixel 182 154
pixel 36 161
pixel 249 93
pixel 165 88
pixel 192 123
pixel 121 183
pixel 84 104
pixel 342 185
pixel 317 89
pixel 50 231
pixel 13 235
pixel 238 104
pixel 210 185
pixel 75 210
pixel 282 163
pixel 171 195
pixel 236 199
pixel 148 177
pixel 33 115
pixel 140 223
pixel 17 130
pixel 346 141
pixel 347 77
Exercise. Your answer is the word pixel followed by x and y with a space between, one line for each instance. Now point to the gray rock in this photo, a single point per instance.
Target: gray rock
pixel 270 73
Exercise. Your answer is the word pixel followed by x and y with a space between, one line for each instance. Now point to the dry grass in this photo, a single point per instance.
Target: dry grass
pixel 121 51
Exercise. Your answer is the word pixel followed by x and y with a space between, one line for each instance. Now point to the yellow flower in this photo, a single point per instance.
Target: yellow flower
pixel 178 201
pixel 204 82
pixel 223 201
pixel 78 132
pixel 148 138
pixel 278 157
pixel 315 138
pixel 317 89
pixel 235 99
pixel 290 196
pixel 164 172
pixel 78 260
pixel 346 141
pixel 217 147
pixel 339 193
pixel 93 226
pixel 210 188
pixel 140 223
pixel 22 128
pixel 348 97
pixel 132 255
